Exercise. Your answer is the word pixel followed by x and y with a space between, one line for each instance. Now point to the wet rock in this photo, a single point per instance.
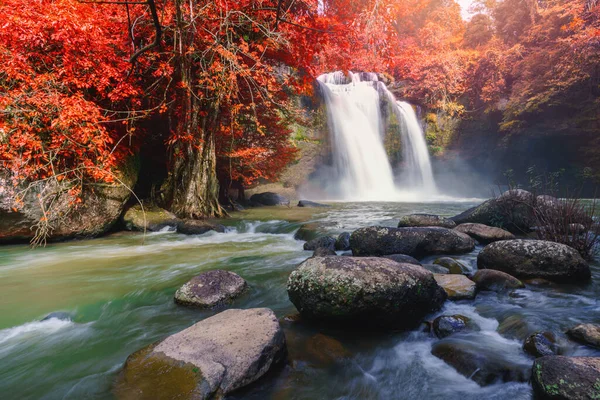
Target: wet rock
pixel 436 269
pixel 325 350
pixel 364 292
pixel 211 288
pixel 484 234
pixel 323 252
pixel 62 315
pixel 452 265
pixel 495 281
pixel 311 204
pixel 447 325
pixel 207 360
pixel 415 242
pixel 414 220
pixel 269 199
pixel 515 326
pixel 539 282
pixel 457 287
pixel 321 242
pixel 541 344
pixel 512 211
pixel 535 259
pixel 566 378
pixel 308 232
pixel 342 242
pixel 478 364
pixel 198 227
pixel 588 334
pixel 403 259
pixel 151 218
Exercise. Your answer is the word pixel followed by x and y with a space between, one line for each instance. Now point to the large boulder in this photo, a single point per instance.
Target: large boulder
pixel 415 242
pixel 484 234
pixel 457 287
pixel 211 288
pixel 93 214
pixel 495 281
pixel 207 360
pixel 327 242
pixel 588 334
pixel 364 291
pixel 269 199
pixel 414 220
pixel 149 218
pixel 513 210
pixel 566 378
pixel 535 259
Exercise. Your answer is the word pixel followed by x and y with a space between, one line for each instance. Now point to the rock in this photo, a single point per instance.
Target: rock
pixel 541 344
pixel 152 218
pixel 211 288
pixel 415 242
pixel 198 227
pixel 308 232
pixel 342 242
pixel 207 360
pixel 323 241
pixel 515 326
pixel 414 220
pixel 484 234
pixel 364 292
pixel 452 265
pixel 588 334
pixel 325 350
pixel 63 316
pixel 457 287
pixel 566 378
pixel 100 207
pixel 512 211
pixel 535 259
pixel 447 325
pixel 308 203
pixel 477 364
pixel 403 259
pixel 269 199
pixel 324 252
pixel 436 269
pixel 495 281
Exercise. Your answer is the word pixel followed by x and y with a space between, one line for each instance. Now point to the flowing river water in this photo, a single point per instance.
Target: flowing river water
pixel 118 293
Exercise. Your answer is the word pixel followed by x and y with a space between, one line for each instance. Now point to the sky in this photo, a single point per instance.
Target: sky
pixel 464 4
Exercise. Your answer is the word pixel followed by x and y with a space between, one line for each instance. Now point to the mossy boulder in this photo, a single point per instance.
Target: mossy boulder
pixel 364 292
pixel 484 234
pixel 495 281
pixel 198 227
pixel 211 288
pixel 566 378
pixel 588 334
pixel 149 217
pixel 208 360
pixel 528 259
pixel 415 220
pixel 457 287
pixel 415 242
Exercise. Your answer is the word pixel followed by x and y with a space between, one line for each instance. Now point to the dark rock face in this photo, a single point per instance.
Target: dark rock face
pixel 415 220
pixel 566 378
pixel 484 234
pixel 403 259
pixel 541 344
pixel 512 211
pixel 210 289
pixel 324 241
pixel 342 242
pixel 452 265
pixel 150 218
pixel 457 287
pixel 269 199
pixel 476 364
pixel 415 242
pixel 447 325
pixel 364 292
pixel 436 269
pixel 308 203
pixel 495 281
pixel 588 334
pixel 207 360
pixel 323 252
pixel 535 259
pixel 198 227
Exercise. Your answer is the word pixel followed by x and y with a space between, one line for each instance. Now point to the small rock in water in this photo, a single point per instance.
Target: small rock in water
pixel 342 242
pixel 515 326
pixel 447 325
pixel 324 241
pixel 496 281
pixel 269 199
pixel 484 234
pixel 436 269
pixel 198 227
pixel 588 334
pixel 414 220
pixel 308 203
pixel 62 315
pixel 541 344
pixel 323 252
pixel 309 231
pixel 457 287
pixel 454 266
pixel 403 258
pixel 326 350
pixel 151 218
pixel 210 289
pixel 566 378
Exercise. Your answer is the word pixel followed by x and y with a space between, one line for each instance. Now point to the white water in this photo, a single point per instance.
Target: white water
pixel 357 129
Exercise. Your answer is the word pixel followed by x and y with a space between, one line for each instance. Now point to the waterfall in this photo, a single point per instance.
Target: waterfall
pixel 356 125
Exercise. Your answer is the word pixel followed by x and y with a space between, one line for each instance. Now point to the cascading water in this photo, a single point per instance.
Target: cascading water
pixel 357 128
